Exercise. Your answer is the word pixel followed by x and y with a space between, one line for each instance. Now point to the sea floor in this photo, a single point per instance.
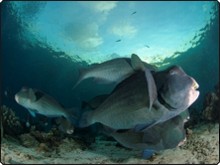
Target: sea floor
pixel 201 147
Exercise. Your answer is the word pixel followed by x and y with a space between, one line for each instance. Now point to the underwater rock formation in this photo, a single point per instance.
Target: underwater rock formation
pixel 211 105
pixel 10 123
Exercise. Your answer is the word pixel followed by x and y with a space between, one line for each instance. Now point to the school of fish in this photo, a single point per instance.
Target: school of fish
pixel 145 111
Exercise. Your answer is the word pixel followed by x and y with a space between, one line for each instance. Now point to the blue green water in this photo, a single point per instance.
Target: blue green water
pixel 44 43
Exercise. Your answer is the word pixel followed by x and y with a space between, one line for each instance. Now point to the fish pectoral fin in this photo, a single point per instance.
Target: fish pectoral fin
pixel 136 62
pixel 151 87
pixel 32 112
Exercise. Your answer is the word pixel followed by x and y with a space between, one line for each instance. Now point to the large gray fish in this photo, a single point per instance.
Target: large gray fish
pixel 137 103
pixel 166 135
pixel 94 102
pixel 114 70
pixel 39 102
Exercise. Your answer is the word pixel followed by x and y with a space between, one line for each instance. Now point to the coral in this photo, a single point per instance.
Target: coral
pixel 28 141
pixel 47 141
pixel 10 122
pixel 211 105
pixel 43 142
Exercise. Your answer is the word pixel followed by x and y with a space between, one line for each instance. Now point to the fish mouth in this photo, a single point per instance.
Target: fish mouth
pixel 16 99
pixel 195 85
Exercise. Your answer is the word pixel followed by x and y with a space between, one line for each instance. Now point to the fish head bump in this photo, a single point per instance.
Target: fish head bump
pixel 179 90
pixel 24 96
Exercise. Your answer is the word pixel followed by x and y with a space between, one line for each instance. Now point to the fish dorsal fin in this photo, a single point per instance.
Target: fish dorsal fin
pixel 136 62
pixel 151 86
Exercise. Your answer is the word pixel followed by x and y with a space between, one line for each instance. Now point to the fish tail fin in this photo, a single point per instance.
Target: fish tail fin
pixel 85 119
pixel 81 76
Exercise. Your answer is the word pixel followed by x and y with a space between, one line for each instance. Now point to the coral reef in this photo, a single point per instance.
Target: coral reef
pixel 211 105
pixel 45 142
pixel 10 123
pixel 28 141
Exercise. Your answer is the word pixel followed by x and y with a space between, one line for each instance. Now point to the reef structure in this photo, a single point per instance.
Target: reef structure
pixel 10 123
pixel 211 105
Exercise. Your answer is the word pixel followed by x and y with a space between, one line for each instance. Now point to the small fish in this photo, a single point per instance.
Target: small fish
pixel 39 102
pixel 118 40
pixel 166 135
pixel 113 71
pixel 134 13
pixel 147 46
pixel 139 103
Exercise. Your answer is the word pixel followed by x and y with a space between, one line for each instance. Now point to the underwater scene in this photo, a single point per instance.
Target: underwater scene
pixel 118 82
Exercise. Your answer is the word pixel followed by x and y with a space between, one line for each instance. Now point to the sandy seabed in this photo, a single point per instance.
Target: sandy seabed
pixel 201 147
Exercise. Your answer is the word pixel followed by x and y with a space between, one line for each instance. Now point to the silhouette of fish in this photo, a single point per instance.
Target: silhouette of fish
pixel 134 13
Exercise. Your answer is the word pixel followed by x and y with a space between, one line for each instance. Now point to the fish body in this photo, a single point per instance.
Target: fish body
pixel 139 103
pixel 128 105
pixel 39 102
pixel 94 102
pixel 133 13
pixel 112 71
pixel 107 72
pixel 118 40
pixel 166 135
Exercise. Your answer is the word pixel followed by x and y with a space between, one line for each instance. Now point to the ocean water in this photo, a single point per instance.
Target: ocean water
pixel 44 44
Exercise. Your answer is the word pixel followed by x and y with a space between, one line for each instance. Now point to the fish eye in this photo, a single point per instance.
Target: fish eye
pixel 172 72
